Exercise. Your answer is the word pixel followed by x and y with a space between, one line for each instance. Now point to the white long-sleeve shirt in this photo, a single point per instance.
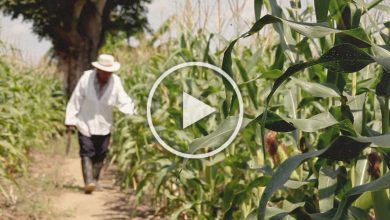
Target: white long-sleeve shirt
pixel 91 115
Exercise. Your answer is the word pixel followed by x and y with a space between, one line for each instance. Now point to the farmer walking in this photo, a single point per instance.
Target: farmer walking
pixel 89 110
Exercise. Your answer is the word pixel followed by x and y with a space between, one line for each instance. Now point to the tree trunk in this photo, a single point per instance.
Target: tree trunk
pixel 77 46
pixel 72 65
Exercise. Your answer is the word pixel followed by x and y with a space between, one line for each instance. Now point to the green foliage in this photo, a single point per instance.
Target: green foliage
pixel 321 89
pixel 316 101
pixel 31 106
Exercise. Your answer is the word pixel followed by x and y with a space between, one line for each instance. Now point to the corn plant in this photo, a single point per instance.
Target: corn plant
pixel 314 144
pixel 31 106
pixel 337 148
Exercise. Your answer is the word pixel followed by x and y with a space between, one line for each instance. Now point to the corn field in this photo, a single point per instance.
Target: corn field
pixel 315 142
pixel 31 106
pixel 318 152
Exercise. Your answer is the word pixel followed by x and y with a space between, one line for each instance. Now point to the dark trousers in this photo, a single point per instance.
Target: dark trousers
pixel 94 147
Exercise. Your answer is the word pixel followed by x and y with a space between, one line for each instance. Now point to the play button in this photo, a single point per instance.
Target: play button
pixel 176 108
pixel 194 110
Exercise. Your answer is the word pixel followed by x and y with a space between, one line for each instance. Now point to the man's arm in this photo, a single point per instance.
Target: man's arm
pixel 124 103
pixel 73 106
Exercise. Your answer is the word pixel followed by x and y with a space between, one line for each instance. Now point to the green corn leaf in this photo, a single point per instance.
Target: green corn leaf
pixel 321 8
pixel 242 195
pixel 227 58
pixel 188 205
pixel 313 123
pixel 352 214
pixel 279 123
pixel 383 88
pixel 257 6
pixel 206 55
pixel 345 58
pixel 250 86
pixel 342 148
pixel 275 213
pixel 218 158
pixel 292 184
pixel 341 58
pixel 379 141
pixel 354 193
pixel 338 150
pixel 356 104
pixel 327 183
pixel 219 136
pixel 384 62
pixel 276 123
pixel 317 89
pixel 280 176
pixel 311 30
pixel 381 204
pixel 272 74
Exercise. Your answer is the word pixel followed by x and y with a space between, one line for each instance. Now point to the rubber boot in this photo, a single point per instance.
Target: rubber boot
pixel 97 167
pixel 86 165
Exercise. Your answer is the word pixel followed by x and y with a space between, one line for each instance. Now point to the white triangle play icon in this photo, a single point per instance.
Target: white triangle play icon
pixel 194 110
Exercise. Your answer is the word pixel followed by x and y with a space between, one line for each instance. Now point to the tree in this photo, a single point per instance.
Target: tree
pixel 77 28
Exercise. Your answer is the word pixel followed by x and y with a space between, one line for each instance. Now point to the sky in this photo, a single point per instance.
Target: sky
pixel 19 35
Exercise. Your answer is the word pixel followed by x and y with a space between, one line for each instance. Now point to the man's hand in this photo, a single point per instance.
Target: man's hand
pixel 70 128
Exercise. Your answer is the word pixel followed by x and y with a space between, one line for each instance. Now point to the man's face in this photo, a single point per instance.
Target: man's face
pixel 103 76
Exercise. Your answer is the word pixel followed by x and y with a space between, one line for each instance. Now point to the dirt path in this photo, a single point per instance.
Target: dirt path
pixel 53 189
pixel 108 203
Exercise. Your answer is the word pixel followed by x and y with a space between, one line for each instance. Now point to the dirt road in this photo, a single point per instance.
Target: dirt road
pixel 53 189
pixel 108 203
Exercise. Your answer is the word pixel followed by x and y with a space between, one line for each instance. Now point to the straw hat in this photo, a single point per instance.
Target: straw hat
pixel 106 63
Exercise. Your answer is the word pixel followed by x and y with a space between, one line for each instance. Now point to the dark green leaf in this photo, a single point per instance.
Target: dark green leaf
pixel 383 87
pixel 281 176
pixel 376 185
pixel 252 89
pixel 321 7
pixel 279 58
pixel 279 123
pixel 344 148
pixel 275 123
pixel 345 58
pixel 337 79
pixel 311 30
pixel 258 5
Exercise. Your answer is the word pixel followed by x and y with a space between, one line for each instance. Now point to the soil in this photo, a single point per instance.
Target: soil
pixel 55 185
